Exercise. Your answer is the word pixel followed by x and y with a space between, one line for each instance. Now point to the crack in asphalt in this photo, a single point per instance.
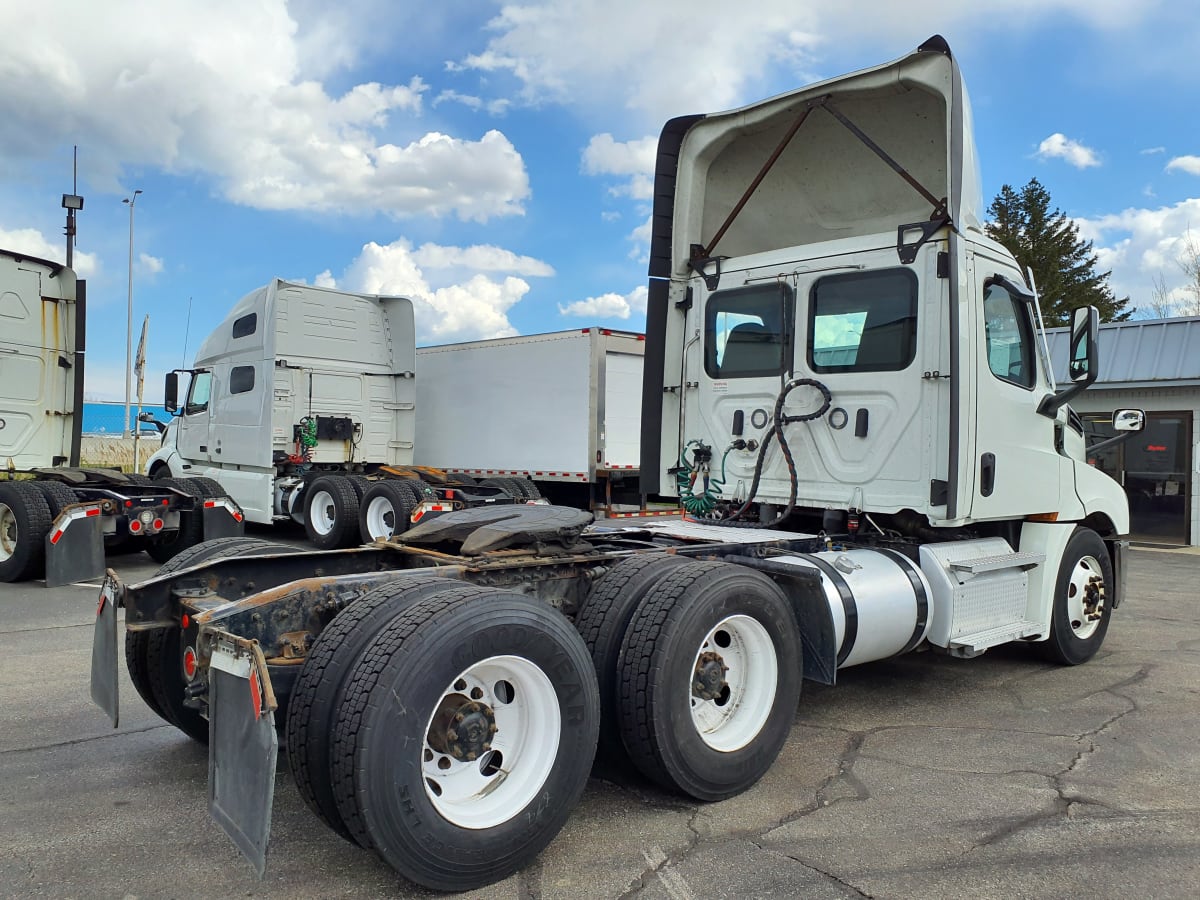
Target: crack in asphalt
pixel 661 863
pixel 86 740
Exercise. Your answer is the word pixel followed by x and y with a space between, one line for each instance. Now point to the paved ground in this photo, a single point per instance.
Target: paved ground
pixel 921 777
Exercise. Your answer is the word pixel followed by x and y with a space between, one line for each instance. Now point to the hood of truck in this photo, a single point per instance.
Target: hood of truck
pixel 827 182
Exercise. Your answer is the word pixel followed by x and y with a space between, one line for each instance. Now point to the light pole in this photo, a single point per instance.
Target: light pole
pixel 129 318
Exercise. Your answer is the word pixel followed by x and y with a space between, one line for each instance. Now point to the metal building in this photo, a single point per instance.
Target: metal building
pixel 1152 364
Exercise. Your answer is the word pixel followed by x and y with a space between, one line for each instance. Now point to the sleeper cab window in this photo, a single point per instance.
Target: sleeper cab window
pixel 1008 336
pixel 241 379
pixel 245 326
pixel 745 331
pixel 863 322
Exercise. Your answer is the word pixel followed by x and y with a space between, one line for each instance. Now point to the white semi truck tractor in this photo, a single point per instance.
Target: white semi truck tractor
pixel 845 385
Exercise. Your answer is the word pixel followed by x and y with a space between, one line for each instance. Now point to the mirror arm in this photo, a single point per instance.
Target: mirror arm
pixel 1112 441
pixel 1051 403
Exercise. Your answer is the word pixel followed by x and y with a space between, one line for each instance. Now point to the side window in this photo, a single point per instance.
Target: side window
pixel 863 322
pixel 245 326
pixel 745 331
pixel 241 379
pixel 198 394
pixel 1008 336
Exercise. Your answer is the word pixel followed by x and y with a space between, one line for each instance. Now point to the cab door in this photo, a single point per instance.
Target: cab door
pixel 1015 466
pixel 194 424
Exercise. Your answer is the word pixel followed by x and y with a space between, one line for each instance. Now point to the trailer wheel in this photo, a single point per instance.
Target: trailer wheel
pixel 385 511
pixel 58 496
pixel 711 670
pixel 532 491
pixel 467 729
pixel 24 523
pixel 147 656
pixel 1082 601
pixel 504 486
pixel 331 513
pixel 312 712
pixel 521 488
pixel 602 621
pixel 191 524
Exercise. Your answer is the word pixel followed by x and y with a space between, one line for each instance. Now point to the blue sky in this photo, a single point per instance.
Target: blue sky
pixel 493 161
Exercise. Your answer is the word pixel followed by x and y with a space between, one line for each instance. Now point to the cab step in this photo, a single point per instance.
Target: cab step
pixel 974 644
pixel 996 562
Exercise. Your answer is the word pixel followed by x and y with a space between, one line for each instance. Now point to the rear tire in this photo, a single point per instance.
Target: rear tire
pixel 602 622
pixel 1082 605
pixel 58 496
pixel 385 511
pixel 331 513
pixel 711 669
pixel 317 693
pixel 465 736
pixel 150 656
pixel 24 523
pixel 191 524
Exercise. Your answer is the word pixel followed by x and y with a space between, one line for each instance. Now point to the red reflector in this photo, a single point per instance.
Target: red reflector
pixel 165 501
pixel 416 517
pixel 54 537
pixel 189 663
pixel 93 511
pixel 135 526
pixel 641 337
pixel 129 503
pixel 605 332
pixel 237 517
pixel 209 504
pixel 255 694
pixel 186 620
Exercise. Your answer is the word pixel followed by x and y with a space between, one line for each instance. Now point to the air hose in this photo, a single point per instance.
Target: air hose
pixel 306 439
pixel 698 470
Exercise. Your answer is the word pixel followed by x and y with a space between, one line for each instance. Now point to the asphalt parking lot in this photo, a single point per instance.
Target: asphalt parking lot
pixel 922 776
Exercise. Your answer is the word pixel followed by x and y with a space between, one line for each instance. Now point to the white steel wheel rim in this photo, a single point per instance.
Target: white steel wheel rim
pixel 1087 568
pixel 505 778
pixel 734 719
pixel 379 509
pixel 9 532
pixel 321 512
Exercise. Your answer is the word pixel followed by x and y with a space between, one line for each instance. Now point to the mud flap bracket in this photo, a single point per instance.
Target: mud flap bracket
pixel 222 518
pixel 243 746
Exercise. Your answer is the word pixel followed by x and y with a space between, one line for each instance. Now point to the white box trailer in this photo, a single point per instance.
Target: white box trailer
pixel 560 409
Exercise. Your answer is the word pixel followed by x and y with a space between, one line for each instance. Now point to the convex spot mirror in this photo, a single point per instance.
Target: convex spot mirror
pixel 1133 420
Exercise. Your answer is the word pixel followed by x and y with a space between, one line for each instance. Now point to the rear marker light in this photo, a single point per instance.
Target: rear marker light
pixel 189 663
pixel 135 526
pixel 186 621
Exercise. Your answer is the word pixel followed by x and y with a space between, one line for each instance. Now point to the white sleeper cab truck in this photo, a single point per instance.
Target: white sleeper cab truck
pixel 56 517
pixel 301 405
pixel 838 362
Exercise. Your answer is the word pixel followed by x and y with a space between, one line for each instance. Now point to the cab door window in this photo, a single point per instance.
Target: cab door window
pixel 745 331
pixel 1008 335
pixel 198 394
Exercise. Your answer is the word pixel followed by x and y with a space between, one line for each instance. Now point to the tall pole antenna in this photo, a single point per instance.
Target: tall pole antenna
pixel 186 329
pixel 71 203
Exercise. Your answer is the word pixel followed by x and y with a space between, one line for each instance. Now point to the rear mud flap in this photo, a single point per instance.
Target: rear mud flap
pixel 222 518
pixel 75 547
pixel 105 693
pixel 242 746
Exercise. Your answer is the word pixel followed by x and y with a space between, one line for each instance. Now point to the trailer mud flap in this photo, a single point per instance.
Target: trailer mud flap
pixel 243 746
pixel 105 693
pixel 223 518
pixel 75 547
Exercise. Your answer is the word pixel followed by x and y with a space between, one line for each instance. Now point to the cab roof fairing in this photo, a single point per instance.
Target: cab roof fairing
pixel 827 184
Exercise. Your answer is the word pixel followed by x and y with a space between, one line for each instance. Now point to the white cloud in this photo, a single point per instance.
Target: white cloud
pixel 325 279
pixel 657 60
pixel 473 307
pixel 225 89
pixel 1152 150
pixel 608 306
pixel 632 160
pixel 1189 164
pixel 497 107
pixel 1140 244
pixel 640 238
pixel 33 242
pixel 1059 146
pixel 148 264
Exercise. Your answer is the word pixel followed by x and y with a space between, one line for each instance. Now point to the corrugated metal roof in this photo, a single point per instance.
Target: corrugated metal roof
pixel 1148 351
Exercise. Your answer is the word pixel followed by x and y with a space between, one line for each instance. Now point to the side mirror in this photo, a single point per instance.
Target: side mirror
pixel 1085 325
pixel 1083 361
pixel 1130 420
pixel 1127 423
pixel 171 393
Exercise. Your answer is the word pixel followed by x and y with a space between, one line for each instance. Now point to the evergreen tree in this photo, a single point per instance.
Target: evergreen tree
pixel 1063 264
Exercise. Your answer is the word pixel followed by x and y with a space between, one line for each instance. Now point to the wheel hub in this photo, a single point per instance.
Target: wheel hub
pixel 1093 598
pixel 708 680
pixel 462 728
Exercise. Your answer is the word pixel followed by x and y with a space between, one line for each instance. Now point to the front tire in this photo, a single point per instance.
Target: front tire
pixel 468 728
pixel 1082 600
pixel 710 680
